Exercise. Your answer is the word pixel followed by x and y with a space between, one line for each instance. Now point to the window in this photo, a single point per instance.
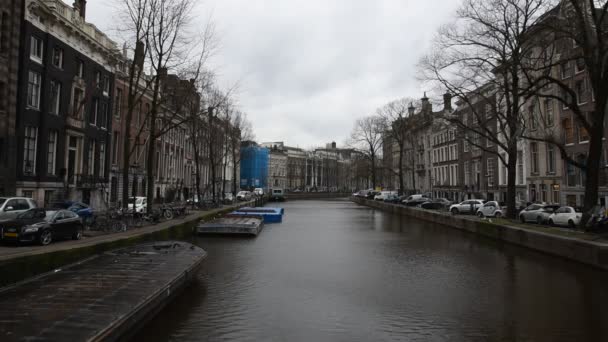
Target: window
pixel 566 98
pixel 51 153
pixel 91 157
pixel 534 157
pixel 48 197
pixel 106 85
pixel 520 167
pixel 490 171
pixel 566 69
pixel 29 149
pixel 98 79
pixel 58 57
pixel 467 173
pixel 36 49
pixel 580 87
pixel 550 158
pixel 571 174
pixel 33 90
pixel 583 135
pixel 488 111
pixel 549 116
pixel 115 147
pixel 504 170
pixel 80 68
pixel 103 115
pixel 94 112
pixel 580 64
pixel 568 131
pixel 532 114
pixel 543 192
pixel 118 102
pixel 77 103
pixel 102 159
pixel 55 100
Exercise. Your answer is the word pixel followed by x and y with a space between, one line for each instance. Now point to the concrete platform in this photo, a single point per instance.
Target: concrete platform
pixel 233 225
pixel 105 297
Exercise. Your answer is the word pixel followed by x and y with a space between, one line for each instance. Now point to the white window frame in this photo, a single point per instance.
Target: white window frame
pixel 94 113
pixel 30 136
pixel 36 49
pixel 102 159
pixel 51 168
pixel 55 97
pixel 58 50
pixel 34 86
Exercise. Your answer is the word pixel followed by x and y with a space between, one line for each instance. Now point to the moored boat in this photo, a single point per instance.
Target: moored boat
pixel 270 214
pixel 232 224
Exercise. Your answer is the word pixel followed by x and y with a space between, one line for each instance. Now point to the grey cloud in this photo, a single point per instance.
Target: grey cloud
pixel 308 69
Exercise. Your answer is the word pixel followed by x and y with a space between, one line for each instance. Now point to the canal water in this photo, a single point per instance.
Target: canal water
pixel 335 271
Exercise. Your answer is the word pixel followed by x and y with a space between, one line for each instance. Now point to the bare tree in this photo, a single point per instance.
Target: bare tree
pixel 366 137
pixel 479 59
pixel 398 131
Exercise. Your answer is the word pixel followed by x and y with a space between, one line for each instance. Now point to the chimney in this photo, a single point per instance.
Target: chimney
pixel 81 7
pixel 411 109
pixel 426 105
pixel 447 102
pixel 139 54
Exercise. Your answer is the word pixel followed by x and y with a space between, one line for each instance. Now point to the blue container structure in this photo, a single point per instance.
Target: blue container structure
pixel 270 215
pixel 254 167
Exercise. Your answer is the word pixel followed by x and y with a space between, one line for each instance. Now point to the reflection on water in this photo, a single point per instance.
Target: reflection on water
pixel 335 271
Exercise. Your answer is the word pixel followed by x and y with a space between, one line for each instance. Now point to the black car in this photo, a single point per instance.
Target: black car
pixel 42 226
pixel 417 201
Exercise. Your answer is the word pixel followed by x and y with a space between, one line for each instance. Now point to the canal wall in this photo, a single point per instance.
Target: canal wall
pixel 587 252
pixel 17 266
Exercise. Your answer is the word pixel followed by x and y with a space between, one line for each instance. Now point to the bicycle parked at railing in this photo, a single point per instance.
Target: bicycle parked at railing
pixel 108 221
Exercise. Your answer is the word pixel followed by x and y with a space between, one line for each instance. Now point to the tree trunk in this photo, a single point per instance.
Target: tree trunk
pixel 152 144
pixel 511 180
pixel 592 171
pixel 401 180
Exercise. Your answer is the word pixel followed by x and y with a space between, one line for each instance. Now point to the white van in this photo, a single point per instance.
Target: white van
pixel 277 194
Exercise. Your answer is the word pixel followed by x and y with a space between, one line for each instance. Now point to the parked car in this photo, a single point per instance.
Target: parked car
pixel 382 195
pixel 464 207
pixel 140 204
pixel 258 192
pixel 371 194
pixel 392 198
pixel 228 198
pixel 565 216
pixel 11 207
pixel 491 209
pixel 85 212
pixel 243 196
pixel 538 213
pixel 277 194
pixel 412 197
pixel 416 202
pixel 437 204
pixel 42 226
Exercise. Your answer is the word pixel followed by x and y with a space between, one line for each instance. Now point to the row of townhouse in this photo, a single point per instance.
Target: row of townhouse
pixel 63 99
pixel 461 169
pixel 469 167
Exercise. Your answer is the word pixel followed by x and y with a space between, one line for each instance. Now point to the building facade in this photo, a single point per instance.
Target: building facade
pixel 66 80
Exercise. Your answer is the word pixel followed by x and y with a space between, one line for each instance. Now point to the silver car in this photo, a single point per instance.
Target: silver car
pixel 538 213
pixel 10 207
pixel 465 206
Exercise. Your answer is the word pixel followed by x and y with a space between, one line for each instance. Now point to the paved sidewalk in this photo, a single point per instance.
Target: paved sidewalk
pixel 8 252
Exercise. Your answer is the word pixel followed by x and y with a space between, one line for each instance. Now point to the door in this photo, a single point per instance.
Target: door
pixel 11 209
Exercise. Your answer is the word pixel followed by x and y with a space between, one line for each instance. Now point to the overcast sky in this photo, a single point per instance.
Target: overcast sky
pixel 308 68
